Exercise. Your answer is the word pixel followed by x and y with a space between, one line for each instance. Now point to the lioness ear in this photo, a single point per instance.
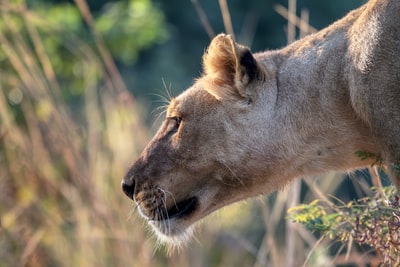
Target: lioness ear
pixel 229 67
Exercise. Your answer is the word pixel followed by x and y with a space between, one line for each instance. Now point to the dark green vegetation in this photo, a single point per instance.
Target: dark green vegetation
pixel 373 222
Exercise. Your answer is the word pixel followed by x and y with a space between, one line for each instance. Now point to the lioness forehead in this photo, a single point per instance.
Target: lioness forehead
pixel 173 108
pixel 192 100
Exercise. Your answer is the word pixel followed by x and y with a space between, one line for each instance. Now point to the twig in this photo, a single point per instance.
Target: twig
pixel 226 17
pixel 305 17
pixel 293 200
pixel 203 18
pixel 291 19
pixel 312 251
pixel 319 194
pixel 375 178
pixel 302 25
pixel 112 70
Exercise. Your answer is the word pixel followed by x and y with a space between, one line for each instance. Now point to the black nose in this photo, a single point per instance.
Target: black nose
pixel 128 189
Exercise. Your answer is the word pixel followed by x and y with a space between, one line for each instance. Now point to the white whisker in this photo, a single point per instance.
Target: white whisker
pixel 158 113
pixel 165 220
pixel 164 191
pixel 168 90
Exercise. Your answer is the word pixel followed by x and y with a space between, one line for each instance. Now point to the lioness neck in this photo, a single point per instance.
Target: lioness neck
pixel 320 129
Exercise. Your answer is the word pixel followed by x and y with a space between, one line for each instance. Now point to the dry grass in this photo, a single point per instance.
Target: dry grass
pixel 60 176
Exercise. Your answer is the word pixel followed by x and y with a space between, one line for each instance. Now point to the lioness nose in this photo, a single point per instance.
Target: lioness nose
pixel 128 189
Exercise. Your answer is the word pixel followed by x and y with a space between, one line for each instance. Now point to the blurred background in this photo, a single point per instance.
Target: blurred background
pixel 79 83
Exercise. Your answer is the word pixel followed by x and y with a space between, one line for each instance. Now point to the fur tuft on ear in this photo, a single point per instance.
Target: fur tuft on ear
pixel 228 68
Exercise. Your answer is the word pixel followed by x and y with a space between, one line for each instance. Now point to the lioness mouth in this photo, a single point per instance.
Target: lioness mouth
pixel 182 209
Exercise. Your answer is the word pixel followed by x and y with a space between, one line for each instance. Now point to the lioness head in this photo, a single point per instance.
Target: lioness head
pixel 204 156
pixel 227 138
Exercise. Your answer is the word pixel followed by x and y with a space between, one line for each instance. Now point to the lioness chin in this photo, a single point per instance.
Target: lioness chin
pixel 253 122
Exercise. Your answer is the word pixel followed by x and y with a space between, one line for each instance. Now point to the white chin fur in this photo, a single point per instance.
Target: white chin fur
pixel 168 232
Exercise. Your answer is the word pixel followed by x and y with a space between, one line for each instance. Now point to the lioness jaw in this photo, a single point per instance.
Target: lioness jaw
pixel 253 122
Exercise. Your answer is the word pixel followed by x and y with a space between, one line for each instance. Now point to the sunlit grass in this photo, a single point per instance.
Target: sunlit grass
pixel 61 165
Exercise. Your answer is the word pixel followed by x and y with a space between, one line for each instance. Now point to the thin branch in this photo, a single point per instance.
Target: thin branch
pixel 293 200
pixel 203 19
pixel 302 25
pixel 226 17
pixel 112 70
pixel 291 19
pixel 305 17
pixel 312 250
pixel 249 27
pixel 317 192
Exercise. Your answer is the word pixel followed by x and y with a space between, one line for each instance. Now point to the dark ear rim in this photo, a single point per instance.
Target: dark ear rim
pixel 247 64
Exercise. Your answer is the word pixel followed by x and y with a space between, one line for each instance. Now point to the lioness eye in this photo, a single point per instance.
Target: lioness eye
pixel 177 121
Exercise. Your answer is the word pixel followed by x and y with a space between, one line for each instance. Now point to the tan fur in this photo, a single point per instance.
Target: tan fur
pixel 253 122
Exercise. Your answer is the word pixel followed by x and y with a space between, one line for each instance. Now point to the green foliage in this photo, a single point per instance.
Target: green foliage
pixel 62 17
pixel 364 155
pixel 131 26
pixel 313 216
pixel 373 221
pixel 59 32
pixel 396 166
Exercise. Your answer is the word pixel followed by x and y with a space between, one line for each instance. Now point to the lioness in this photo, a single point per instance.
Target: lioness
pixel 253 122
